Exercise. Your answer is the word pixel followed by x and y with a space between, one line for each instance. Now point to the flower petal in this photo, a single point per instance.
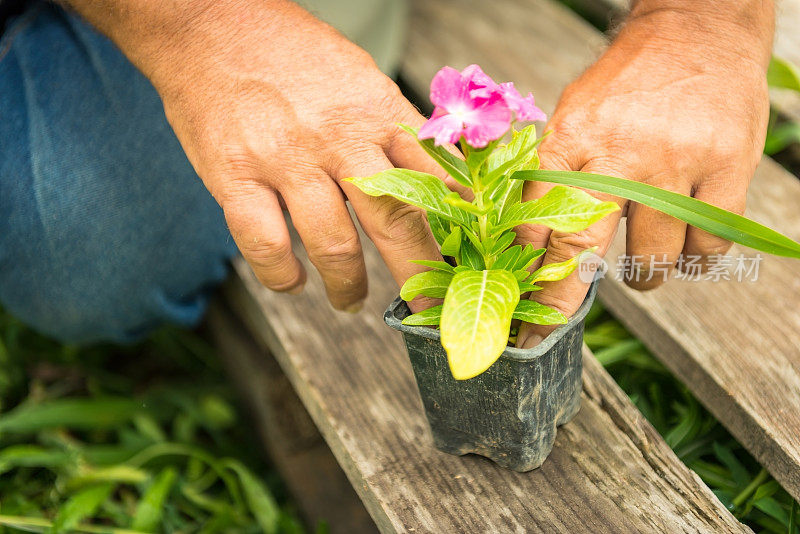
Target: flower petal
pixel 524 108
pixel 443 128
pixel 479 84
pixel 448 88
pixel 488 123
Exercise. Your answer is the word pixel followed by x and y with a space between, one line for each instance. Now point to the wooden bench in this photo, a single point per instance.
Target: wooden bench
pixel 735 345
pixel 786 46
pixel 609 470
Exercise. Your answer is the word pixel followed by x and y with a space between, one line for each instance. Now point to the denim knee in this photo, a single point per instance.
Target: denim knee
pixel 106 231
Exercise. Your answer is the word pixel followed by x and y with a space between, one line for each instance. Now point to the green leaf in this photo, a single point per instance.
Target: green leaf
pixel 704 216
pixel 419 189
pixel 31 456
pixel 508 259
pixel 502 243
pixel 260 501
pixel 738 471
pixel 781 136
pixel 452 164
pixel 783 74
pixel 429 283
pixel 506 195
pixel 565 209
pixel 39 524
pixel 452 243
pixel 78 413
pixel 81 505
pixel 558 271
pixel 518 154
pixel 528 256
pixel 436 265
pixel 476 157
pixel 532 312
pixel 439 227
pixel 767 489
pixel 526 287
pixel 151 506
pixel 428 317
pixel 121 473
pixel 456 201
pixel 470 256
pixel 521 275
pixel 476 320
pixel 772 508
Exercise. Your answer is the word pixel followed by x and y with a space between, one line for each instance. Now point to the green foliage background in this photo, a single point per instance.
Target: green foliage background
pixel 698 439
pixel 147 438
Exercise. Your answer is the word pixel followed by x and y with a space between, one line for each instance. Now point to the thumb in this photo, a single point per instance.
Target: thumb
pixel 568 294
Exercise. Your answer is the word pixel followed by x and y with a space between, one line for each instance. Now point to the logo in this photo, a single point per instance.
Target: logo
pixel 592 268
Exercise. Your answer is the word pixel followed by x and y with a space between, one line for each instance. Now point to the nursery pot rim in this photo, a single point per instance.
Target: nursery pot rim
pixel 398 310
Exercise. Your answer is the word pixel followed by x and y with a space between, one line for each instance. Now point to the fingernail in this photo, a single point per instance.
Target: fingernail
pixel 355 308
pixel 531 341
pixel 297 289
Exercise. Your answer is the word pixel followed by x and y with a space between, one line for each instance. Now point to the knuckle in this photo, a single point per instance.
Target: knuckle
pixel 341 250
pixel 564 246
pixel 404 225
pixel 564 302
pixel 712 246
pixel 265 254
pixel 531 233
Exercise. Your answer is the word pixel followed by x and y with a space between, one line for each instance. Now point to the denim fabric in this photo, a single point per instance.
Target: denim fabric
pixel 105 229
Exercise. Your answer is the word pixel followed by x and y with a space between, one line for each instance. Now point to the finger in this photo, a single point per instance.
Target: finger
pixel 716 191
pixel 256 223
pixel 400 232
pixel 568 294
pixel 654 241
pixel 405 152
pixel 552 156
pixel 320 216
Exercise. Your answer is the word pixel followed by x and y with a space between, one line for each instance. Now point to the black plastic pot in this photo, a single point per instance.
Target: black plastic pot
pixel 509 413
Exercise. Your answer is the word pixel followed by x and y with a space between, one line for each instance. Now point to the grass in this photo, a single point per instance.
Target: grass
pixel 697 438
pixel 147 438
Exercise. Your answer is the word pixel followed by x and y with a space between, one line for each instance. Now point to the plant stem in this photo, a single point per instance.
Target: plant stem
pixel 760 478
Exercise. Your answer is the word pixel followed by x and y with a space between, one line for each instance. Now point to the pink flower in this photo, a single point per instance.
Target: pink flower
pixel 470 104
pixel 524 108
pixel 467 104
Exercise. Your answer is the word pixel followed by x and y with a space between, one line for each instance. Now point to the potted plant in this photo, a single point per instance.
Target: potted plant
pixel 482 395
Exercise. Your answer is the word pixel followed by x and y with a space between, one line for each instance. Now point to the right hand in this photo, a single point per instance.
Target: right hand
pixel 274 109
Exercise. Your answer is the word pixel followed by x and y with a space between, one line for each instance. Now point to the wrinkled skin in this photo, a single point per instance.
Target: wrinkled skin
pixel 274 108
pixel 273 113
pixel 669 105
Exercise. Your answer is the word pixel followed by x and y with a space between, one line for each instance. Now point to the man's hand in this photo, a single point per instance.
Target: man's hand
pixel 274 108
pixel 679 101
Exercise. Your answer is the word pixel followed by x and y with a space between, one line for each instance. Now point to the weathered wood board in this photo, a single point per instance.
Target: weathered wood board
pixel 736 345
pixel 609 471
pixel 317 484
pixel 786 45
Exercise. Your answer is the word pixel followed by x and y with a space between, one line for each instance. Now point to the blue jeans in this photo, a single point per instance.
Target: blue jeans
pixel 105 229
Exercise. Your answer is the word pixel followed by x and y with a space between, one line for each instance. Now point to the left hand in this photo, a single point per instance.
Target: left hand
pixel 678 101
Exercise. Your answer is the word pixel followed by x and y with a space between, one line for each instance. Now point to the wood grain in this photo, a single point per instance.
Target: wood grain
pixel 609 470
pixel 317 484
pixel 786 44
pixel 736 345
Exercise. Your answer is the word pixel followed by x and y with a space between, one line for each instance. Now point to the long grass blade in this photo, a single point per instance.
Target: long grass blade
pixel 700 214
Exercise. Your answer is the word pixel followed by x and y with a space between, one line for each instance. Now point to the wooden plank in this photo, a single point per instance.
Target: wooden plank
pixel 786 45
pixel 736 345
pixel 294 445
pixel 609 470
